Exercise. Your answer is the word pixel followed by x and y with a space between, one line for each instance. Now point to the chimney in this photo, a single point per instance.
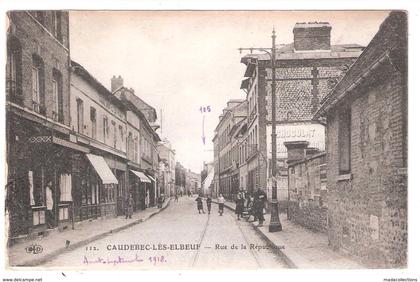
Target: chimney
pixel 312 36
pixel 296 150
pixel 116 82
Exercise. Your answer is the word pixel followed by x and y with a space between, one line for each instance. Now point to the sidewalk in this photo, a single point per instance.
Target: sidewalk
pixel 303 248
pixel 84 233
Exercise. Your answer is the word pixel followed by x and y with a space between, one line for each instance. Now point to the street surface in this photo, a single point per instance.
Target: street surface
pixel 169 241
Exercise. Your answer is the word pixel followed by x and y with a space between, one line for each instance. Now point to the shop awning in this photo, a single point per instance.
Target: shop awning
pixel 141 176
pixel 102 169
pixel 151 178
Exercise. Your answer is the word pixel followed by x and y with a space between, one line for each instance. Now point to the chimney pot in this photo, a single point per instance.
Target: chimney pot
pixel 116 82
pixel 312 36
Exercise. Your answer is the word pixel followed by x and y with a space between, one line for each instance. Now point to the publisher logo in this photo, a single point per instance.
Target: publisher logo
pixel 34 249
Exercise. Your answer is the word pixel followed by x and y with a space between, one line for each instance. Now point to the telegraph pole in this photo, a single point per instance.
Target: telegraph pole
pixel 275 224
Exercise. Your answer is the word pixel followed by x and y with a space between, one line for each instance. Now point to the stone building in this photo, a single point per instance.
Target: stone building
pixel 180 180
pixel 226 174
pixel 39 138
pixel 306 70
pixel 142 143
pixel 367 151
pixel 99 124
pixel 167 157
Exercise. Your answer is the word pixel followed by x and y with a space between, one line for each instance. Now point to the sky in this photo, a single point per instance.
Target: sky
pixel 179 61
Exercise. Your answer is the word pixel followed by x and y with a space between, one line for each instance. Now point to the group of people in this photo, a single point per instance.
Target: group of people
pixel 200 200
pixel 252 204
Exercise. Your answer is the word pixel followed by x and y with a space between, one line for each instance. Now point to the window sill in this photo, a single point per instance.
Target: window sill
pixel 344 177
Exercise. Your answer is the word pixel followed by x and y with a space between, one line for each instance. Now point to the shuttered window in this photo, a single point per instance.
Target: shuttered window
pixel 344 140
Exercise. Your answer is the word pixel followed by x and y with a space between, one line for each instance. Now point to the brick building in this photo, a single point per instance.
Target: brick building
pixel 306 70
pixel 367 151
pixel 38 133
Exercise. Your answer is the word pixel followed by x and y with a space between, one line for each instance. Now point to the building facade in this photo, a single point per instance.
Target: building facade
pixel 99 123
pixel 367 151
pixel 38 133
pixel 167 157
pixel 227 149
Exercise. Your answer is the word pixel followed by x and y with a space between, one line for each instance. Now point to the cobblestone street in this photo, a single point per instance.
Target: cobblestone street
pixel 179 226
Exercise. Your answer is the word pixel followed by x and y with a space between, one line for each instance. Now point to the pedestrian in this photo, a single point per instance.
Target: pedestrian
pixel 221 202
pixel 50 204
pixel 176 197
pixel 208 200
pixel 199 204
pixel 260 198
pixel 239 205
pixel 129 206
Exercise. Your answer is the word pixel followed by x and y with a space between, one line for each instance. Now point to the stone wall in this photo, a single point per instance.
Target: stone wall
pixel 367 209
pixel 308 191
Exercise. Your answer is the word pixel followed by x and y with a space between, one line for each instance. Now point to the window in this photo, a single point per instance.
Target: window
pixel 114 134
pixel 121 136
pixel 57 92
pixel 136 149
pixel 105 129
pixel 38 98
pixel 93 121
pixel 55 98
pixel 14 70
pixel 56 24
pixel 344 140
pixel 79 116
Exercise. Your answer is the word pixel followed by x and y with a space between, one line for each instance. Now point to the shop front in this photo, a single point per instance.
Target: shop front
pixel 94 188
pixel 39 185
pixel 139 183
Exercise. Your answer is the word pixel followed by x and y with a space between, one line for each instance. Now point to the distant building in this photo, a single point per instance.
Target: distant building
pixel 167 158
pixel 227 148
pixel 142 146
pixel 367 151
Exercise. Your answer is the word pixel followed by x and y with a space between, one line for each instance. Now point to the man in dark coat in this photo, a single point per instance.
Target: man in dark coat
pixel 239 205
pixel 129 207
pixel 260 198
pixel 199 204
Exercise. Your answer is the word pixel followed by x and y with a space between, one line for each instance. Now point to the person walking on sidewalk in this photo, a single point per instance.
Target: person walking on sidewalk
pixel 50 204
pixel 221 202
pixel 199 204
pixel 176 197
pixel 260 198
pixel 239 205
pixel 130 207
pixel 208 201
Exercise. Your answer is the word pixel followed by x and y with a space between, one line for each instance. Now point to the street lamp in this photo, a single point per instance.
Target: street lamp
pixel 275 224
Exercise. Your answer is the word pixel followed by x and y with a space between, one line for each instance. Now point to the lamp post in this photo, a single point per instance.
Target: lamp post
pixel 275 224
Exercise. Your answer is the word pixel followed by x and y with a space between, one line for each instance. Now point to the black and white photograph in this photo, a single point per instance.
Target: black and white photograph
pixel 206 140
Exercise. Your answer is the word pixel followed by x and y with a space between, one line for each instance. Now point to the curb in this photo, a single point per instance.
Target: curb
pixel 54 254
pixel 276 250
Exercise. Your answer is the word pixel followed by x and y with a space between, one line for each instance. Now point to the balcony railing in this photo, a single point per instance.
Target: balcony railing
pixel 14 92
pixel 38 108
pixel 252 150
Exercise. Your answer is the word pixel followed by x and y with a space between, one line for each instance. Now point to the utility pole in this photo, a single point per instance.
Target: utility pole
pixel 275 224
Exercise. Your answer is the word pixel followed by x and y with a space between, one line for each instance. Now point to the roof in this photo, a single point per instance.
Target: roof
pixel 121 94
pixel 391 37
pixel 312 24
pixel 288 52
pixel 82 72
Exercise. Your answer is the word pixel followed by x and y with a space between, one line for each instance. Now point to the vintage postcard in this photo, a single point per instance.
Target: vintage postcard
pixel 206 140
